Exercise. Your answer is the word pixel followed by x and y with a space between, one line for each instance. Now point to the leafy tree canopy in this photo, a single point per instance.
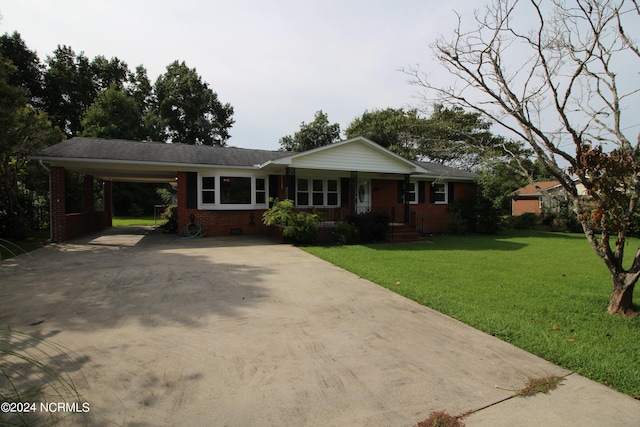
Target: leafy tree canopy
pixel 188 111
pixel 114 114
pixel 393 128
pixel 312 135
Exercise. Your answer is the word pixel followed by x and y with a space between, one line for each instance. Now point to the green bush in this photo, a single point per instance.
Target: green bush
pixel 346 234
pixel 526 221
pixel 563 220
pixel 300 227
pixel 372 226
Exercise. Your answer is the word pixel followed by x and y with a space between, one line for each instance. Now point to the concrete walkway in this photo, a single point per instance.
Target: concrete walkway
pixel 239 331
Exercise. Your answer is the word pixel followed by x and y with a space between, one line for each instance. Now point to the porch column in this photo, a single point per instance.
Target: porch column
pixel 88 194
pixel 57 202
pixel 407 213
pixel 354 186
pixel 290 184
pixel 108 202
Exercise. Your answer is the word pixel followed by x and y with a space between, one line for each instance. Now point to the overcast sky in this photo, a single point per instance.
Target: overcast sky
pixel 276 62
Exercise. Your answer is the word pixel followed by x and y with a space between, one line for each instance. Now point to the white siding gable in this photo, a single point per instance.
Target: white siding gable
pixel 355 156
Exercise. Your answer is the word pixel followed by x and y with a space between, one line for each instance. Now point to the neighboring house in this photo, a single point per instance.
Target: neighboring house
pixel 226 190
pixel 533 198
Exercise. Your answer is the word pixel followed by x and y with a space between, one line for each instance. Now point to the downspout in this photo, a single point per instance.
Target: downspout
pixel 50 207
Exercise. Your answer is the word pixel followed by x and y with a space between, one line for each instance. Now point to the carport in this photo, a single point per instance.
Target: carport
pixel 66 225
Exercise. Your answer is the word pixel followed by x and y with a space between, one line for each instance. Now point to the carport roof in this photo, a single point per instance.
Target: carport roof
pixel 123 160
pixel 155 152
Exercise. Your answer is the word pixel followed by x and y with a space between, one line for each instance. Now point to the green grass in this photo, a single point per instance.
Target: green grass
pixel 121 221
pixel 546 293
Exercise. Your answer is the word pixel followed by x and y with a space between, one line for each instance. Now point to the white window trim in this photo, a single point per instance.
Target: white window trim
pixel 217 206
pixel 325 192
pixel 416 189
pixel 446 194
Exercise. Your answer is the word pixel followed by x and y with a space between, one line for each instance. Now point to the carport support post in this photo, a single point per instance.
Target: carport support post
pixel 108 202
pixel 88 193
pixel 58 209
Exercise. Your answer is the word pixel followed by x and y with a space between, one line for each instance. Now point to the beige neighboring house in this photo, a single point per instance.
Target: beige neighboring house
pixel 533 198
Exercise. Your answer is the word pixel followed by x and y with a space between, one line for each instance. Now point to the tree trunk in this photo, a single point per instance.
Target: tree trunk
pixel 622 293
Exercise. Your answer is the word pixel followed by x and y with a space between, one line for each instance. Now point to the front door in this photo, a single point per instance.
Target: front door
pixel 363 196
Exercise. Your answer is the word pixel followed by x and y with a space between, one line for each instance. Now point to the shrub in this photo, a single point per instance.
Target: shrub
pixel 474 215
pixel 372 226
pixel 300 227
pixel 346 233
pixel 563 220
pixel 526 221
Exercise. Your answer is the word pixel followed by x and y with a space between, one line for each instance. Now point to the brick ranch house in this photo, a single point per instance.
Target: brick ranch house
pixel 226 190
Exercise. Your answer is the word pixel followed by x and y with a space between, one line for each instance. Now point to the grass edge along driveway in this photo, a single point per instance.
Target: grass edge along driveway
pixel 543 292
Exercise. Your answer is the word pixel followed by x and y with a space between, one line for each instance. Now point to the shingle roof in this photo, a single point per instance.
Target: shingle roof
pixel 159 153
pixel 156 152
pixel 438 170
pixel 534 189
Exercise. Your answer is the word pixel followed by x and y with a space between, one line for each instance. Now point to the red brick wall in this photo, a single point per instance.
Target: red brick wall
pixel 428 217
pixel 217 223
pixel 522 206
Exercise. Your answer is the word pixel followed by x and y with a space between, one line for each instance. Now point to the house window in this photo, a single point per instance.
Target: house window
pixel 332 192
pixel 440 192
pixel 302 193
pixel 232 192
pixel 208 190
pixel 317 192
pixel 412 193
pixel 261 191
pixel 235 190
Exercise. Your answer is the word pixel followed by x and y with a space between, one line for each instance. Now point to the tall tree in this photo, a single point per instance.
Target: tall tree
pixel 554 75
pixel 393 128
pixel 188 111
pixel 68 88
pixel 22 131
pixel 28 73
pixel 312 135
pixel 114 114
pixel 461 138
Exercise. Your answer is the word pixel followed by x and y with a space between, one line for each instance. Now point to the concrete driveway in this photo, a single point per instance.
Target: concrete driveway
pixel 240 331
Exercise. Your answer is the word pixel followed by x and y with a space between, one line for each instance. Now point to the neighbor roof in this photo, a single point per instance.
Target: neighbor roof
pixel 535 188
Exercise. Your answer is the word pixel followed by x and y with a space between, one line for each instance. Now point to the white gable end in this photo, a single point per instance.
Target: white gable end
pixel 355 156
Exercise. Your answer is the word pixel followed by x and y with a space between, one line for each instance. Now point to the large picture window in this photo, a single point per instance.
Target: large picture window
pixel 235 190
pixel 231 192
pixel 317 192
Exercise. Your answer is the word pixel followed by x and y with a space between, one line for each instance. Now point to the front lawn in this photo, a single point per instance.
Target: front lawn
pixel 122 221
pixel 546 293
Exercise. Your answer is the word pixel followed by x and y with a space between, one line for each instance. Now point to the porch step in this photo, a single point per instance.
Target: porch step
pixel 403 233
